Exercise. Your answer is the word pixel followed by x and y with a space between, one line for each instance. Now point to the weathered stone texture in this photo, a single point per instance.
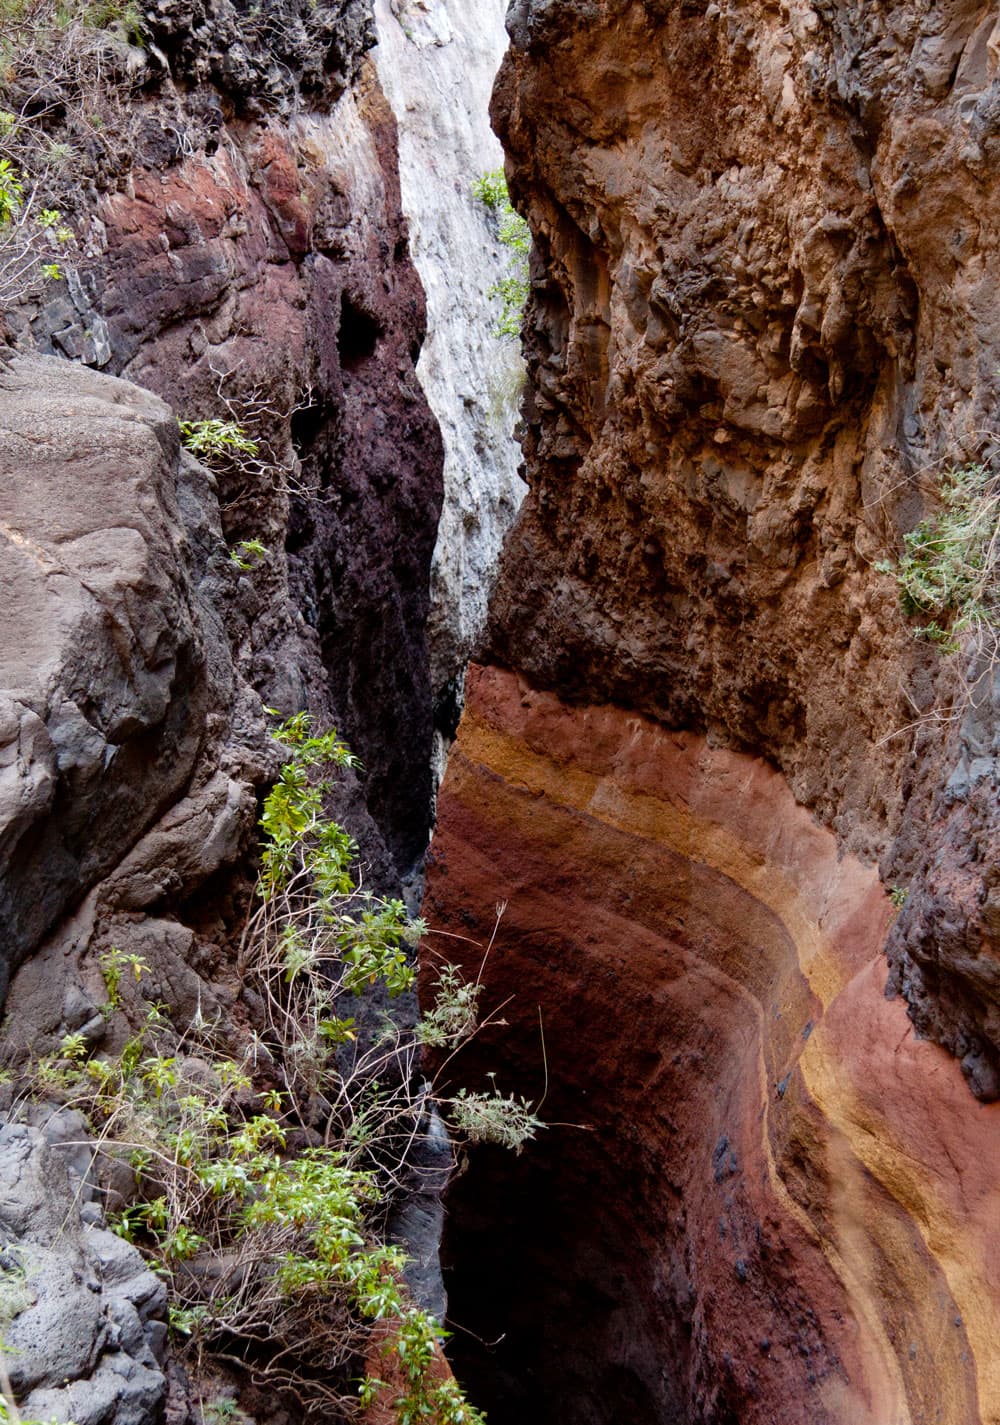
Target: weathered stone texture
pixel 255 254
pixel 116 674
pixel 437 64
pixel 763 321
pixel 83 1317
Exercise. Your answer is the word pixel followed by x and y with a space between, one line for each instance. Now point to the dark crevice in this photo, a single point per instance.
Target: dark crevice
pixel 357 336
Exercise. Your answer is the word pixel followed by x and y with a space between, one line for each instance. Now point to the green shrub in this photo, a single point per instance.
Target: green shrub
pixel 216 440
pixel 948 571
pixel 513 232
pixel 271 1254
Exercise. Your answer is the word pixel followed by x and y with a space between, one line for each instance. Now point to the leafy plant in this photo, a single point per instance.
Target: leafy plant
pixel 246 553
pixel 248 447
pixel 11 192
pixel 514 234
pixel 275 1254
pixel 491 190
pixel 454 1014
pixel 948 571
pixel 216 441
pixel 113 965
pixel 491 1118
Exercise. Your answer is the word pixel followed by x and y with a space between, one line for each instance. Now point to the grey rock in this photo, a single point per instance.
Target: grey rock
pixel 104 681
pixel 121 1390
pixel 85 1332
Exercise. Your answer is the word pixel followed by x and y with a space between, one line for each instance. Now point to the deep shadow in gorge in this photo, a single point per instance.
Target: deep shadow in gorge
pixel 553 1301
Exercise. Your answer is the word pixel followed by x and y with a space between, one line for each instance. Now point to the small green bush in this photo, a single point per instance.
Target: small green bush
pixel 268 1253
pixel 948 571
pixel 513 232
pixel 216 441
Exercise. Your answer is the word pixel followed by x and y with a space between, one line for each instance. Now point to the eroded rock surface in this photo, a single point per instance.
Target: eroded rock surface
pixel 118 680
pixel 763 323
pixel 83 1317
pixel 437 63
pixel 761 326
pixel 251 264
pixel 765 1199
pixel 245 260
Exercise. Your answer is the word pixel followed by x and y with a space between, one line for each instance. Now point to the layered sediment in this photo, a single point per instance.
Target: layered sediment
pixel 764 1197
pixel 705 744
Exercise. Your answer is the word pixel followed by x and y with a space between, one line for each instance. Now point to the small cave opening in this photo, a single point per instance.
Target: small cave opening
pixel 357 334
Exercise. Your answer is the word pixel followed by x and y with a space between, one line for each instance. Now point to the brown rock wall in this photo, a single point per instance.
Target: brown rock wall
pixel 761 325
pixel 776 1204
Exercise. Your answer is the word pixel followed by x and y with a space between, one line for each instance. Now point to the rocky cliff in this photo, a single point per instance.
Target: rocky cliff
pixel 247 262
pixel 437 63
pixel 743 823
pixel 241 255
pixel 761 325
pixel 250 262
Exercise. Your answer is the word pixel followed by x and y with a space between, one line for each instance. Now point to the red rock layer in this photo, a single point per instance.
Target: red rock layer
pixel 277 270
pixel 777 1205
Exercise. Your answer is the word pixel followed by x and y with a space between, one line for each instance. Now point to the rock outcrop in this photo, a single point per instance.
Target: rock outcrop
pixel 83 1317
pixel 246 261
pixel 437 64
pixel 765 1199
pixel 250 263
pixel 124 715
pixel 752 350
pixel 760 327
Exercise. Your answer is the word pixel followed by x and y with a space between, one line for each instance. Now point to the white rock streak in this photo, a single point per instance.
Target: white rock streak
pixel 437 60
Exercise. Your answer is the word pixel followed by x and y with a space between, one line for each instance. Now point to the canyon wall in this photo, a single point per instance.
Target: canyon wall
pixel 761 326
pixel 249 261
pixel 241 256
pixel 437 63
pixel 246 260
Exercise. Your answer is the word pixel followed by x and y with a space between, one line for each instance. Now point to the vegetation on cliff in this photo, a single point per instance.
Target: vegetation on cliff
pixel 513 234
pixel 947 572
pixel 260 1180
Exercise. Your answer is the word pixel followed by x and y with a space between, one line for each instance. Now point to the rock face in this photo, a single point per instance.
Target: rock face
pixel 252 265
pixel 437 65
pixel 759 330
pixel 751 352
pixel 83 1318
pixel 764 1199
pixel 247 262
pixel 121 702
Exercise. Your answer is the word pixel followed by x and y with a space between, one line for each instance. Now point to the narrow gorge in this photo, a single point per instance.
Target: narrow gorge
pixel 657 652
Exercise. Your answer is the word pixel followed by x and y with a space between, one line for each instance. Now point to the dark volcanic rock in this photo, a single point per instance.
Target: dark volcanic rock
pixel 278 276
pixel 264 57
pixel 254 266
